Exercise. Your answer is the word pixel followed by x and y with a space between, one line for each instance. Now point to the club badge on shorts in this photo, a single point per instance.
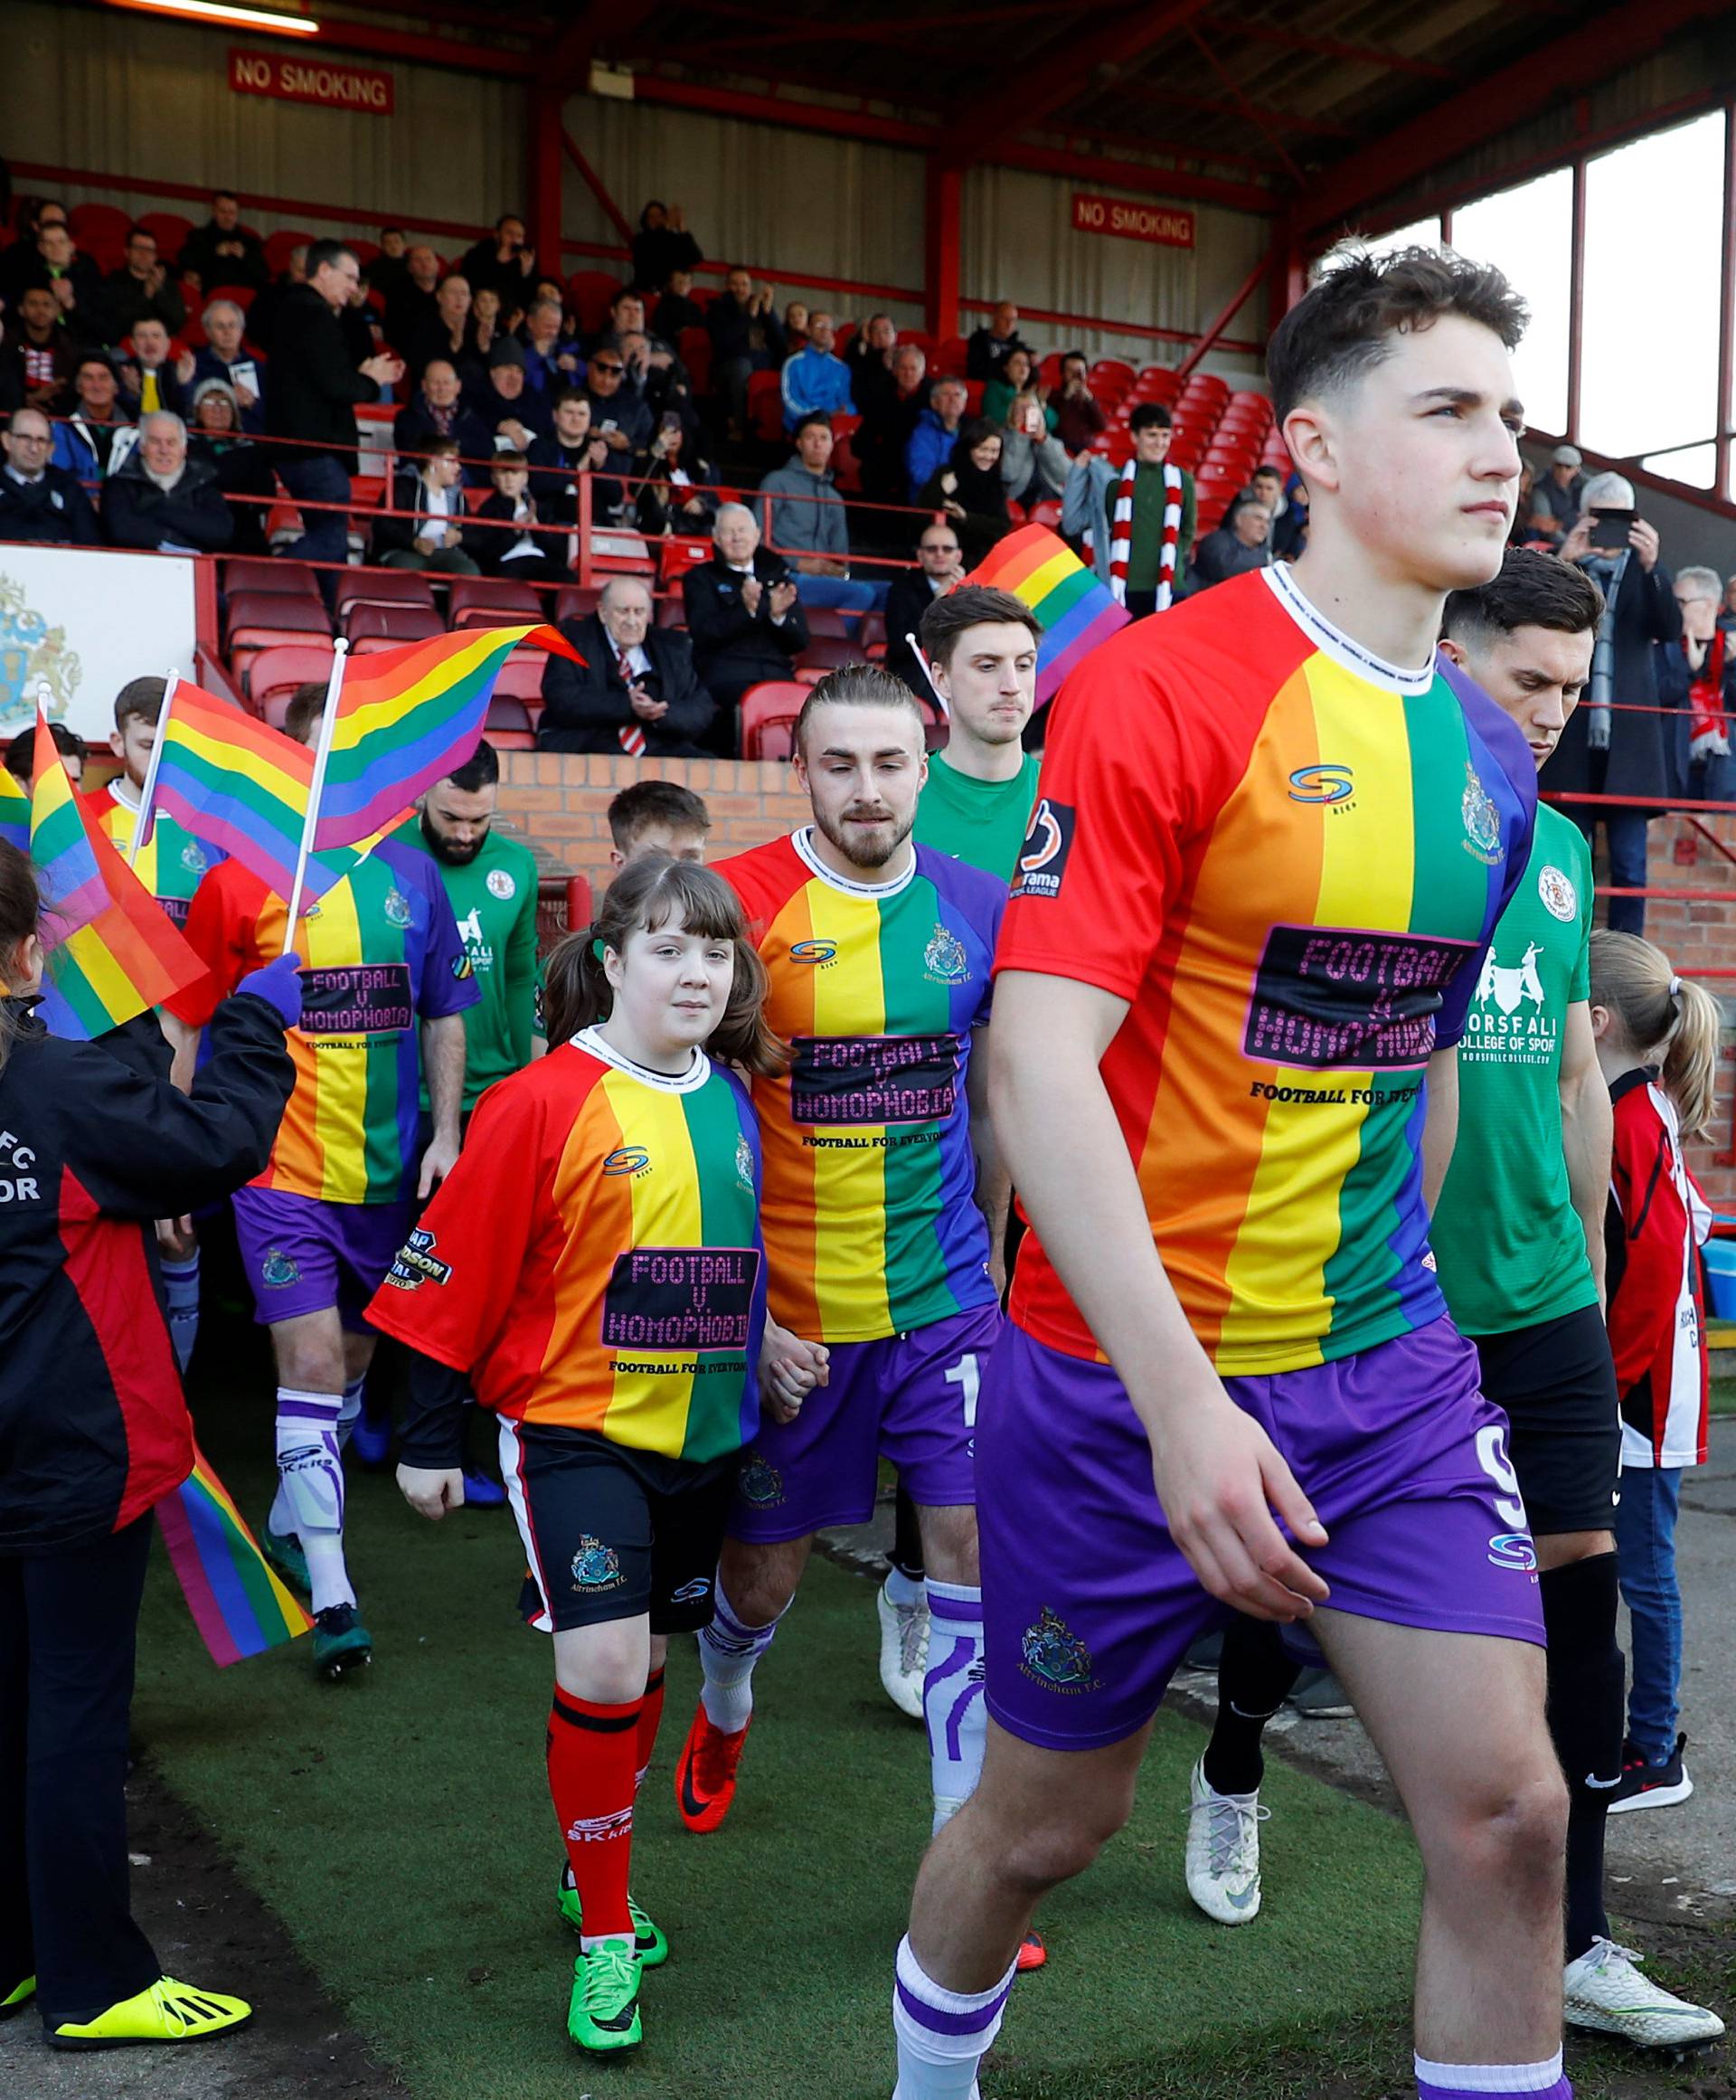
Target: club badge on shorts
pixel 1053 1655
pixel 595 1567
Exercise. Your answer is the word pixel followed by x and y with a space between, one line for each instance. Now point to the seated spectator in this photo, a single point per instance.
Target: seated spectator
pixel 551 358
pixel 1727 614
pixel 97 432
pixel 815 380
pixel 1242 542
pixel 1035 465
pixel 636 690
pixel 675 496
pixel 74 280
pixel 140 289
pixel 677 308
pixel 263 315
pixel 969 489
pixel 665 388
pixel 428 530
pixel 1017 375
pixel 618 416
pixel 747 337
pixel 504 261
pixel 869 355
pixel 1697 674
pixel 225 358
pixel 1561 490
pixel 507 403
pixel 913 591
pixel 796 318
pixel 450 333
pixel 41 350
pixel 887 426
pixel 390 268
pixel 243 467
pixel 39 502
pixel 993 343
pixel 1079 414
pixel 803 521
pixel 501 538
pixel 21 261
pixel 149 376
pixel 224 252
pixel 931 441
pixel 21 752
pixel 745 617
pixel 412 307
pixel 487 321
pixel 661 246
pixel 439 410
pixel 559 462
pixel 159 496
pixel 1289 533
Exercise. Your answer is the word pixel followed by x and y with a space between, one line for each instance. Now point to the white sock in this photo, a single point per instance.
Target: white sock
pixel 728 1650
pixel 942 2035
pixel 349 1411
pixel 181 1289
pixel 900 1589
pixel 310 1487
pixel 952 1695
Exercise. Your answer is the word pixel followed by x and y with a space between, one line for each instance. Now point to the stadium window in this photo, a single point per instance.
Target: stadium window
pixel 1696 465
pixel 1648 344
pixel 1527 233
pixel 1420 233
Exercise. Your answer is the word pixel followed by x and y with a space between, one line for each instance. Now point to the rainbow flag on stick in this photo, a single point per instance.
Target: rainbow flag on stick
pixel 15 811
pixel 238 1603
pixel 1076 610
pixel 111 950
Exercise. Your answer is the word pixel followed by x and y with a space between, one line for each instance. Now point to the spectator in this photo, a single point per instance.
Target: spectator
pixel 913 593
pixel 869 355
pixel 225 358
pixel 795 324
pixel 314 391
pixel 815 379
pixel 1561 490
pixel 413 303
pixel 1727 617
pixel 1242 542
pixel 243 472
pixel 140 289
pixel 223 250
pixel 160 497
pixel 427 531
pixel 21 752
pixel 803 521
pixel 745 617
pixel 73 279
pixel 937 430
pixel 509 407
pixel 1698 675
pixel 1136 554
pixel 656 817
pixel 487 321
pixel 747 337
pixel 888 425
pixel 677 308
pixel 504 261
pixel 39 502
pixel 551 358
pixel 661 246
pixel 361 336
pixel 42 353
pixel 619 417
pixel 262 315
pixel 1079 414
pixel 991 346
pixel 21 260
pixel 151 378
pixel 1033 461
pixel 389 268
pixel 675 496
pixel 1289 533
pixel 558 465
pixel 1017 375
pixel 625 317
pixel 636 690
pixel 502 538
pixel 97 432
pixel 969 490
pixel 450 333
pixel 439 410
pixel 1612 745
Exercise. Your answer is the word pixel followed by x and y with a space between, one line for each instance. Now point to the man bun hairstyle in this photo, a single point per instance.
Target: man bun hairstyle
pixel 1343 326
pixel 1531 589
pixel 971 605
pixel 858 686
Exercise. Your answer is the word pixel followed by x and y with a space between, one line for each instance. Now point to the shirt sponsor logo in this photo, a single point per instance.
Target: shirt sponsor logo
pixel 1515 1550
pixel 1322 784
pixel 415 1264
pixel 500 884
pixel 1507 987
pixel 1328 996
pixel 813 951
pixel 1560 899
pixel 680 1299
pixel 627 1159
pixel 16 1160
pixel 369 999
pixel 1482 837
pixel 1042 861
pixel 873 1079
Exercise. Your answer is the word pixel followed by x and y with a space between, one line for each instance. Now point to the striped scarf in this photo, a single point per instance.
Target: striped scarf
pixel 1121 534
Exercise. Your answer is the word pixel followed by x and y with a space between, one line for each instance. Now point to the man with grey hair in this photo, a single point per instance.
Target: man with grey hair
pixel 931 441
pixel 744 617
pixel 1698 676
pixel 161 498
pixel 225 356
pixel 634 691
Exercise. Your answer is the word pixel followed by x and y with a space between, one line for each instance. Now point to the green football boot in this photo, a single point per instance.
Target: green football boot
pixel 650 1942
pixel 604 2014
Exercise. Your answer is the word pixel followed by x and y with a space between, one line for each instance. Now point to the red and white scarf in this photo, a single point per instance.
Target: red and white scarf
pixel 1121 534
pixel 1709 726
pixel 632 737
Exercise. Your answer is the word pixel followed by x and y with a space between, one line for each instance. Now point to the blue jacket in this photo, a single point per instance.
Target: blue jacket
pixel 815 381
pixel 75 449
pixel 929 449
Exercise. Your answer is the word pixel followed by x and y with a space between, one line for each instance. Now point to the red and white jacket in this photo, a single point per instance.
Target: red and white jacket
pixel 1653 1230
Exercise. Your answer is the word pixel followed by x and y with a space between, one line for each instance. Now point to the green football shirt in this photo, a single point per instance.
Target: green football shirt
pixel 1509 1243
pixel 494 900
pixel 982 823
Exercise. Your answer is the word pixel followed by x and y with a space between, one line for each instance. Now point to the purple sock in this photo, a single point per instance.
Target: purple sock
pixel 1542 2081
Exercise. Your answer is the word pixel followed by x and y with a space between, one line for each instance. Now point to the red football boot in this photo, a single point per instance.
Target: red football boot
pixel 705 1772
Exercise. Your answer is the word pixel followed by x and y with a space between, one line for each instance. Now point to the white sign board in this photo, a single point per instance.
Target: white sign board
pixel 84 622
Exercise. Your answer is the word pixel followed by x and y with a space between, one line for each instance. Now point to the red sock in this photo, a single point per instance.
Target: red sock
pixel 591 1753
pixel 650 1715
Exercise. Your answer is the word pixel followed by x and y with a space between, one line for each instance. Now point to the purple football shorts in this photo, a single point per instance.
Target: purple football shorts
pixel 910 1398
pixel 1089 1605
pixel 302 1255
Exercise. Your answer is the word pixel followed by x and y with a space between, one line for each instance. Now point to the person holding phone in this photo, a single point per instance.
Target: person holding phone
pixel 1035 464
pixel 1613 746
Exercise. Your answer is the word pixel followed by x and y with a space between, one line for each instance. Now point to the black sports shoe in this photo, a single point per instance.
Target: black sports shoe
pixel 341 1641
pixel 1644 1784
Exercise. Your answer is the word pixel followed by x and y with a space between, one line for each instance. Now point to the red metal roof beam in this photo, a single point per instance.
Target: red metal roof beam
pixel 1238 23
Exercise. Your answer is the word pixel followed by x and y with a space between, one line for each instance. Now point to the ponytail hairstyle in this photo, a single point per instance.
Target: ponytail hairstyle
pixel 21 906
pixel 647 893
pixel 1664 1018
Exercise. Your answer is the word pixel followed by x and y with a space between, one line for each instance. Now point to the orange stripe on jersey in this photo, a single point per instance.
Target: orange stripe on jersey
pixel 581 1379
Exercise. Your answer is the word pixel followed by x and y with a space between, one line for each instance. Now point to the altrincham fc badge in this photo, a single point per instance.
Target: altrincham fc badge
pixel 944 959
pixel 1054 1655
pixel 397 908
pixel 1482 819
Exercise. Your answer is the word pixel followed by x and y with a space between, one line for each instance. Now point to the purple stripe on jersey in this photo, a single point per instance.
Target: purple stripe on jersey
pixel 938 2022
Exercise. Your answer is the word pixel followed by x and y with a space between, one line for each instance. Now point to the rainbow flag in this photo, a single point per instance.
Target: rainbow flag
pixel 238 1603
pixel 406 718
pixel 111 950
pixel 15 811
pixel 1076 610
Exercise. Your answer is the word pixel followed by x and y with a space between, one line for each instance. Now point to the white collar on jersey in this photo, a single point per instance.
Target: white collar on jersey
pixel 1332 641
pixel 688 1082
pixel 122 790
pixel 803 841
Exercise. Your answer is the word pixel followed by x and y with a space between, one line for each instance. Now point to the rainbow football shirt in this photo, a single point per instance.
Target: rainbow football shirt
pixel 381 953
pixel 1287 857
pixel 871 1223
pixel 173 863
pixel 594 1259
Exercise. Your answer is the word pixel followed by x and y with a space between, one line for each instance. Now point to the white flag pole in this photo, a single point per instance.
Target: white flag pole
pixel 928 672
pixel 323 750
pixel 147 793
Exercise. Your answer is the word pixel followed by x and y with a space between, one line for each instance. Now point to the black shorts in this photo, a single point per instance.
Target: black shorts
pixel 611 1533
pixel 1557 1383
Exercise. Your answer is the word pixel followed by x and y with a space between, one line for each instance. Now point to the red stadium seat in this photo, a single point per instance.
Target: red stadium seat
pixel 1114 369
pixel 974 391
pixel 383 587
pixel 1049 370
pixel 521 680
pixel 489 601
pixel 590 292
pixel 672 612
pixel 257 573
pixel 575 600
pixel 508 726
pixel 391 625
pixel 951 356
pixel 768 717
pixel 100 229
pixel 1047 512
pixel 825 619
pixel 680 553
pixel 279 244
pixel 766 406
pixel 276 673
pixel 872 630
pixel 693 347
pixel 828 652
pixel 171 231
pixel 278 611
pixel 240 295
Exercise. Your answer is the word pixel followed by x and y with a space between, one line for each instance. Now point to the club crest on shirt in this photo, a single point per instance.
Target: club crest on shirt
pixel 744 1162
pixel 596 1567
pixel 1482 819
pixel 1560 899
pixel 193 857
pixel 944 959
pixel 277 1272
pixel 1053 1655
pixel 499 883
pixel 759 1483
pixel 396 908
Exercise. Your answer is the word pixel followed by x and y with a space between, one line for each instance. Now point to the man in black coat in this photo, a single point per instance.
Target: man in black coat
pixel 636 691
pixel 140 289
pixel 159 497
pixel 939 566
pixel 744 617
pixel 747 337
pixel 223 250
pixel 315 390
pixel 439 410
pixel 38 502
